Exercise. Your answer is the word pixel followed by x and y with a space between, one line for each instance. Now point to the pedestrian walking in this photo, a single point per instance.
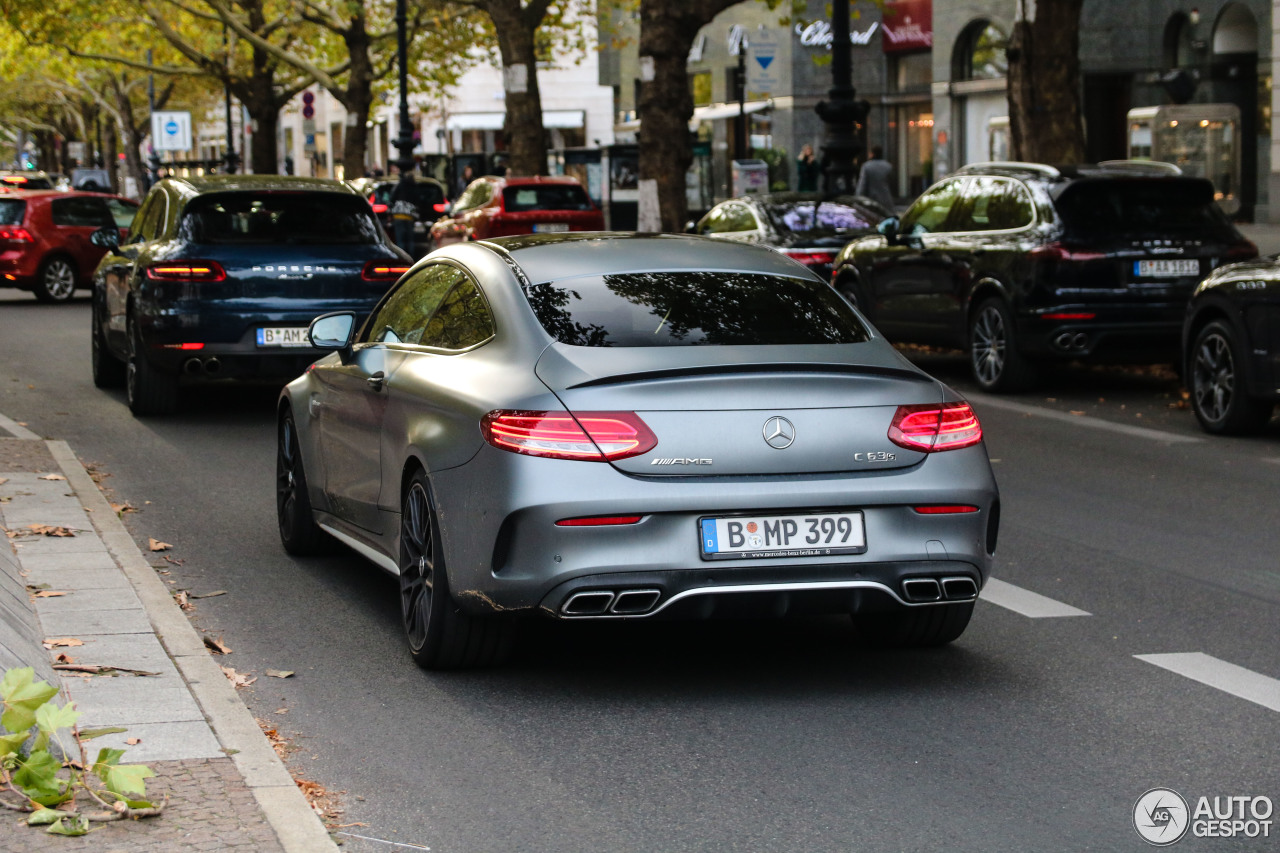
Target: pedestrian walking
pixel 808 170
pixel 873 180
pixel 464 181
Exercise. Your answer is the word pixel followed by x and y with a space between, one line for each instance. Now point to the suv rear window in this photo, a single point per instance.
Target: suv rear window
pixel 319 218
pixel 825 216
pixel 11 211
pixel 425 196
pixel 545 197
pixel 666 309
pixel 1139 206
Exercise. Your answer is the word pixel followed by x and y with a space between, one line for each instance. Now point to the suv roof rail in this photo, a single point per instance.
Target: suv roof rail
pixel 1145 167
pixel 1010 166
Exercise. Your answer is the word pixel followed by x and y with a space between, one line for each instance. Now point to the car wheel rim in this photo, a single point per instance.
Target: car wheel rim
pixel 59 279
pixel 989 341
pixel 417 565
pixel 287 470
pixel 1215 377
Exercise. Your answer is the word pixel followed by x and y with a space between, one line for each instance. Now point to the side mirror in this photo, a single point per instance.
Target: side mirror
pixel 106 237
pixel 889 228
pixel 332 331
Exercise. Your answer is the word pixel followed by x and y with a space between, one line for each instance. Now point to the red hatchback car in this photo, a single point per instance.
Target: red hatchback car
pixel 44 239
pixel 501 207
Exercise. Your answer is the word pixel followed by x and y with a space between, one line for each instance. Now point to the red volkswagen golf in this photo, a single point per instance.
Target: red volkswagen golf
pixel 44 239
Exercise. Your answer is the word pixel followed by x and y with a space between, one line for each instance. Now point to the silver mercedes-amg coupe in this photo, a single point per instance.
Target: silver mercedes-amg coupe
pixel 633 426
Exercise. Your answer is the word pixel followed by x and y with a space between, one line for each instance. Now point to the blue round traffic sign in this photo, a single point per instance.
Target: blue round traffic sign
pixel 171 128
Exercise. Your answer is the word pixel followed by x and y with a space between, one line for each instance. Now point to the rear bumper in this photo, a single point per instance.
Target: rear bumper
pixel 1130 333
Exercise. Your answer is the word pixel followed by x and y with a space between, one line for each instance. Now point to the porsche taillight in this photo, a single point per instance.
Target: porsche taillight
pixel 186 271
pixel 932 428
pixel 588 436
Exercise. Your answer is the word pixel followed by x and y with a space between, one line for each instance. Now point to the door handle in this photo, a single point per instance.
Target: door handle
pixel 376 380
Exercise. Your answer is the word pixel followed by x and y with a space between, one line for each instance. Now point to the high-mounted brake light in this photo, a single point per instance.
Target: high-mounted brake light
pixel 929 428
pixel 588 436
pixel 10 234
pixel 383 271
pixel 599 521
pixel 187 271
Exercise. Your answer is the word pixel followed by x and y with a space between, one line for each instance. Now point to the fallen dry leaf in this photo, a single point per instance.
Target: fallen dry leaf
pixel 50 530
pixel 209 594
pixel 3 480
pixel 181 598
pixel 238 679
pixel 48 593
pixel 62 642
pixel 52 477
pixel 121 509
pixel 157 545
pixel 216 646
pixel 282 710
pixel 65 658
pixel 133 741
pixel 280 673
pixel 168 558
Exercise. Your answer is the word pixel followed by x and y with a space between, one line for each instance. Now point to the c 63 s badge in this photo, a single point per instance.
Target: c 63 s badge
pixel 680 461
pixel 875 456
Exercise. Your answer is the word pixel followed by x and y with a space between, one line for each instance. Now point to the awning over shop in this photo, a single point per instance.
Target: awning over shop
pixel 711 112
pixel 493 121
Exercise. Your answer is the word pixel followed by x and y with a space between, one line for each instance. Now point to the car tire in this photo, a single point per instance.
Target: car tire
pixel 108 371
pixel 440 635
pixel 994 359
pixel 148 391
pixel 299 533
pixel 56 280
pixel 1215 375
pixel 848 288
pixel 914 627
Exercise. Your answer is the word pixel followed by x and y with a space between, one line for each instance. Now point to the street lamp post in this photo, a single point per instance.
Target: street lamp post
pixel 404 142
pixel 840 113
pixel 153 159
pixel 230 158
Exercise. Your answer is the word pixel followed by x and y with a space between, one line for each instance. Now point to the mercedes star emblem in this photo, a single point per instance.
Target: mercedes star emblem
pixel 779 433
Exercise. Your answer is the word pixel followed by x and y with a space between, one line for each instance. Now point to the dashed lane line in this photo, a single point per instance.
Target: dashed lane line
pixel 1227 677
pixel 1082 420
pixel 1026 602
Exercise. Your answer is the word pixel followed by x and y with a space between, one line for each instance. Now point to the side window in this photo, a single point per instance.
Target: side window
pixel 462 320
pixel 739 218
pixel 150 218
pixel 80 211
pixel 930 212
pixel 714 221
pixel 146 212
pixel 993 204
pixel 122 212
pixel 403 317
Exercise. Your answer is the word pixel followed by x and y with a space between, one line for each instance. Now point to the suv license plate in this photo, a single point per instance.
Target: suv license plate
pixel 1166 268
pixel 283 337
pixel 550 228
pixel 748 537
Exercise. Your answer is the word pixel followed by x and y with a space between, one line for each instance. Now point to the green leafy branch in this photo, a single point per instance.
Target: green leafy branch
pixel 38 782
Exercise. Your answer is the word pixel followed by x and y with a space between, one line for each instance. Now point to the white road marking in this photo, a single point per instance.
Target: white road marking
pixel 1227 677
pixel 1025 601
pixel 1082 420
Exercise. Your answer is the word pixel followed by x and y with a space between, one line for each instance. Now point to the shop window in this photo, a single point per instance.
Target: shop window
pixel 913 72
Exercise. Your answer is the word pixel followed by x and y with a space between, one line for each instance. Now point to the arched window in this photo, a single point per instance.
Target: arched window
pixel 1236 31
pixel 1178 50
pixel 980 52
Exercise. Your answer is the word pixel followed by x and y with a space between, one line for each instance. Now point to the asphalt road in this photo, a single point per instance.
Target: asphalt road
pixel 1032 732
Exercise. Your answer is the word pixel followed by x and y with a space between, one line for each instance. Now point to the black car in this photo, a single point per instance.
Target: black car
pixel 1231 347
pixel 807 227
pixel 429 196
pixel 1022 264
pixel 221 276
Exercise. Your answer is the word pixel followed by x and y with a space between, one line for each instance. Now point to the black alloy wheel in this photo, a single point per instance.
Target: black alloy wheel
pixel 1219 395
pixel 108 371
pixel 914 627
pixel 440 635
pixel 299 533
pixel 148 391
pixel 993 353
pixel 56 281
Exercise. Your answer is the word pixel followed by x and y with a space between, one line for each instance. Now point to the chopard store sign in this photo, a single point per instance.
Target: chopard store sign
pixel 818 34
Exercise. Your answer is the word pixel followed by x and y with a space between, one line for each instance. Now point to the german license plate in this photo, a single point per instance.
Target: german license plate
pixel 283 337
pixel 550 227
pixel 817 535
pixel 1166 268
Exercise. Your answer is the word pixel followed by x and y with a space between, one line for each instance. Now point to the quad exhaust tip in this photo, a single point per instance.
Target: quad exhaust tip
pixel 604 602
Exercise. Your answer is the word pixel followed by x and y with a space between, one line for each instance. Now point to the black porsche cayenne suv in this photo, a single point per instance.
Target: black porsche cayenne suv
pixel 1023 264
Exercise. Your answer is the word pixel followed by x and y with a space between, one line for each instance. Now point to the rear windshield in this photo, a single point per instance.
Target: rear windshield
pixel 823 217
pixel 1145 207
pixel 11 211
pixel 666 309
pixel 425 196
pixel 545 197
pixel 320 218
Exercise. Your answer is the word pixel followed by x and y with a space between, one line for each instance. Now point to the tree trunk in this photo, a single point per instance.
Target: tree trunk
pixel 357 100
pixel 526 137
pixel 667 31
pixel 132 133
pixel 1044 83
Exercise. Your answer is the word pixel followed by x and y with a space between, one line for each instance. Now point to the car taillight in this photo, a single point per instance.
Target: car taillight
pixel 379 208
pixel 1242 251
pixel 15 234
pixel 383 271
pixel 1059 252
pixel 187 271
pixel 932 428
pixel 1069 315
pixel 589 436
pixel 809 257
pixel 441 207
